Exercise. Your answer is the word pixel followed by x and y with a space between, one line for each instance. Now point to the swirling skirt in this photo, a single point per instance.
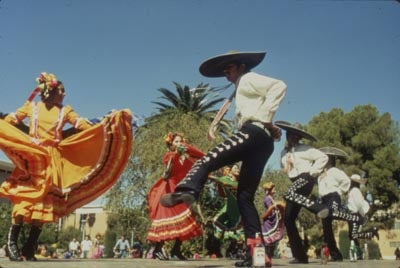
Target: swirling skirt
pixel 169 223
pixel 51 182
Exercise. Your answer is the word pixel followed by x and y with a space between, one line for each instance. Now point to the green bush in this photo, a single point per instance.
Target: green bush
pixel 344 244
pixel 374 252
pixel 66 236
pixel 110 238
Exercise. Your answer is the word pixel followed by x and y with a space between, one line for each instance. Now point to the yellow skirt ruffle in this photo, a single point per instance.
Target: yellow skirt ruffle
pixel 51 182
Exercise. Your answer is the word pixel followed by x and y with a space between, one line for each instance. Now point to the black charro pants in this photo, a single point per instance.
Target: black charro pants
pixel 296 197
pixel 252 146
pixel 333 201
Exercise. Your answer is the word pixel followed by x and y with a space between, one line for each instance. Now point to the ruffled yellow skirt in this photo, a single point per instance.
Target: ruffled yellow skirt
pixel 51 182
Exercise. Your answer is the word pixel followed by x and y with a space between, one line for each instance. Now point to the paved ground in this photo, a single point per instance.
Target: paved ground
pixel 208 263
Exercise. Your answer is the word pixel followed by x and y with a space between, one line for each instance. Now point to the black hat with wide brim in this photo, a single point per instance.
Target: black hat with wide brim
pixel 333 151
pixel 295 129
pixel 214 67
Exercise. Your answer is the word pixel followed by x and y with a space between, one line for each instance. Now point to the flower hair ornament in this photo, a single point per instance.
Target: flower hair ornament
pixel 46 83
pixel 268 186
pixel 169 138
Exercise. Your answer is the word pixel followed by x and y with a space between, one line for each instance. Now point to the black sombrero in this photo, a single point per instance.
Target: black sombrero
pixel 214 67
pixel 333 151
pixel 295 128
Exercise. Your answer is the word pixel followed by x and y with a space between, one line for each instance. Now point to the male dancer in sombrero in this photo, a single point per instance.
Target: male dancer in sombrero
pixel 332 184
pixel 303 164
pixel 53 174
pixel 358 207
pixel 257 99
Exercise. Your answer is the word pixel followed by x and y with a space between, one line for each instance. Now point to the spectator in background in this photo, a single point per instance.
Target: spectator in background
pixel 74 247
pixel 122 247
pixel 137 248
pixel 397 253
pixel 86 247
pixel 98 252
pixel 325 254
pixel 67 255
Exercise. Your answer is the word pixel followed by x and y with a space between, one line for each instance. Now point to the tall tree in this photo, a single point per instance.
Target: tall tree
pixel 199 100
pixel 372 141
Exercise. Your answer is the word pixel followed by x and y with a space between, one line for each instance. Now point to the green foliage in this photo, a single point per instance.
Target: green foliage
pixel 372 142
pixel 374 253
pixel 5 221
pixel 49 234
pixel 344 244
pixel 198 100
pixel 110 238
pixel 66 235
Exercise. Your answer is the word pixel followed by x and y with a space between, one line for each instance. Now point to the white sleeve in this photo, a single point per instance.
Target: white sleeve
pixel 361 203
pixel 271 90
pixel 343 181
pixel 320 159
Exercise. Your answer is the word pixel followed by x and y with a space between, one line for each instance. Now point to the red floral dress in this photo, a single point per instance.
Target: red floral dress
pixel 178 221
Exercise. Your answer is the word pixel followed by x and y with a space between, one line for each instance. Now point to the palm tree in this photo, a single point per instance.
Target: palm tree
pixel 198 100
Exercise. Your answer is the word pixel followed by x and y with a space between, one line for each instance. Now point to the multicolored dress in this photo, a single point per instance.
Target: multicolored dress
pixel 228 218
pixel 273 225
pixel 178 222
pixel 54 175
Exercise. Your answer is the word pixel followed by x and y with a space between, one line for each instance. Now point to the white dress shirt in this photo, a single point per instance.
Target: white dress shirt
pixel 305 159
pixel 333 180
pixel 257 98
pixel 356 202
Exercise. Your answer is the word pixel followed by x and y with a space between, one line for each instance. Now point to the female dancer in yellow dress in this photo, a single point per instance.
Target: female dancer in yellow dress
pixel 53 174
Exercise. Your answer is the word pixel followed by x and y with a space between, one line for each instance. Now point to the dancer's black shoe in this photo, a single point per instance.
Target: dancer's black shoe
pixel 248 262
pixel 172 199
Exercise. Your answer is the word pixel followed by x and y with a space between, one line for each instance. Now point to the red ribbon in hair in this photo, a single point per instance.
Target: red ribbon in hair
pixel 34 93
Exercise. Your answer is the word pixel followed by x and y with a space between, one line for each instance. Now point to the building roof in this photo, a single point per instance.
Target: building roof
pixel 6 166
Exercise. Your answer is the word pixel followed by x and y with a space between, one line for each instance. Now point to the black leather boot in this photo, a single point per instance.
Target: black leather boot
pixel 12 243
pixel 247 261
pixel 30 246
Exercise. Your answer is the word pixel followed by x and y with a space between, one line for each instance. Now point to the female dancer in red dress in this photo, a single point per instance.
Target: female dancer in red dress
pixel 175 223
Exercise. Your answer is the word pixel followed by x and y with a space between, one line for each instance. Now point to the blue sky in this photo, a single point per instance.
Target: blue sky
pixel 116 54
